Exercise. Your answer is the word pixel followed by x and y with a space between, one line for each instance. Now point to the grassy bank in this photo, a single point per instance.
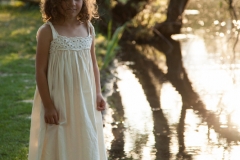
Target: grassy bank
pixel 17 81
pixel 18 27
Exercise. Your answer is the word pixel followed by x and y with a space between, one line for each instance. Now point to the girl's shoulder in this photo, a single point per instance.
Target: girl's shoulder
pixel 44 31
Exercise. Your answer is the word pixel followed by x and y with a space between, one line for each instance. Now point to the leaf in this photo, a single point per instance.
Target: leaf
pixel 112 44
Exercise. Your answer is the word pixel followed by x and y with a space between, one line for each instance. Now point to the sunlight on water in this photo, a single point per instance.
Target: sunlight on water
pixel 214 83
pixel 200 141
pixel 218 92
pixel 191 12
pixel 138 114
pixel 108 135
pixel 182 36
pixel 171 103
pixel 210 80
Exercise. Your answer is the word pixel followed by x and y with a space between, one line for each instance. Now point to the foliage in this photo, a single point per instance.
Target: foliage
pixel 112 43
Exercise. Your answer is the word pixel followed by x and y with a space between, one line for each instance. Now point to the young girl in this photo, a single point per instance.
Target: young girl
pixel 66 120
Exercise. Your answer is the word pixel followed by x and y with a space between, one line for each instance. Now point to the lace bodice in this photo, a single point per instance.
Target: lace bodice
pixel 73 43
pixel 70 43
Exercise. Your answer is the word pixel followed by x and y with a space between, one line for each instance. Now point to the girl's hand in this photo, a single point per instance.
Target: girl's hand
pixel 51 115
pixel 101 104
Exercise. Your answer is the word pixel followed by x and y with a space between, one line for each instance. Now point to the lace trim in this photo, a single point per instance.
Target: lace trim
pixel 70 43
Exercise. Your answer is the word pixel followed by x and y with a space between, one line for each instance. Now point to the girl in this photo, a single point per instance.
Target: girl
pixel 66 122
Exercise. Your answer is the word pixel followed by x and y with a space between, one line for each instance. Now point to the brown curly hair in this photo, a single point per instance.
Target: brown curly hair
pixel 49 10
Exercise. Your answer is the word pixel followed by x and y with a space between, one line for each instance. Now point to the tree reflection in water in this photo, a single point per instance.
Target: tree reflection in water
pixel 151 78
pixel 117 144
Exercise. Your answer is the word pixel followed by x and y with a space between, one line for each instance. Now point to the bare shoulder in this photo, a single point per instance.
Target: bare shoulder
pixel 44 38
pixel 44 32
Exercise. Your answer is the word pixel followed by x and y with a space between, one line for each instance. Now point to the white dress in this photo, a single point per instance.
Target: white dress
pixel 79 135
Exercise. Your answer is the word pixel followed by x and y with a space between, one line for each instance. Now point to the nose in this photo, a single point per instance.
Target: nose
pixel 72 2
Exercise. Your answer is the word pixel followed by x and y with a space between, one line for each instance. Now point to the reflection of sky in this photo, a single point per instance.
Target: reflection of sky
pixel 217 90
pixel 138 114
pixel 214 83
pixel 171 103
pixel 214 77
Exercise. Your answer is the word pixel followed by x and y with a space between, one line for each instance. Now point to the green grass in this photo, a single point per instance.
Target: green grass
pixel 18 25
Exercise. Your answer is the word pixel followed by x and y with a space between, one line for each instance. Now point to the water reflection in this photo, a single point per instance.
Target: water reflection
pixel 218 92
pixel 117 143
pixel 182 153
pixel 177 130
pixel 168 117
pixel 151 79
pixel 138 121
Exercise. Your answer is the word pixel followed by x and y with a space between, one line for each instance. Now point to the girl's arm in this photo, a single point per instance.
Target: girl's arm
pixel 100 101
pixel 44 37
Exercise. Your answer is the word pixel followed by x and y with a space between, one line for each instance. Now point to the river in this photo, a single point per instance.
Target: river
pixel 140 126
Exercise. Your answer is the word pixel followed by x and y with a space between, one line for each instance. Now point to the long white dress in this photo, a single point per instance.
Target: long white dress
pixel 79 136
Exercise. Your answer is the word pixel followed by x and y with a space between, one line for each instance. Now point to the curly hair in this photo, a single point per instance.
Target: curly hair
pixel 49 10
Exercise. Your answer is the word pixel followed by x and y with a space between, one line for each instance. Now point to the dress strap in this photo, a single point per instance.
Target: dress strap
pixel 88 27
pixel 91 30
pixel 54 32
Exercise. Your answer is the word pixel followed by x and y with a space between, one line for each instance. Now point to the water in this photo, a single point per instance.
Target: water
pixel 149 120
pixel 215 86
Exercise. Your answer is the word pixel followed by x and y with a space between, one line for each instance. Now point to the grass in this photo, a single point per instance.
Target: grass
pixel 18 27
pixel 17 81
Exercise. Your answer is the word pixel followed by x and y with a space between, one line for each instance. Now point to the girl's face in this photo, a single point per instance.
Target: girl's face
pixel 71 8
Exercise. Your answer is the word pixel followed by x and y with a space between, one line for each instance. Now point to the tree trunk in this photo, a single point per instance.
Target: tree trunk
pixel 173 23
